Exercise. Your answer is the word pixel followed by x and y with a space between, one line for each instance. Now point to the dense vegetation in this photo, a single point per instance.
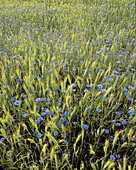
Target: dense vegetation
pixel 67 85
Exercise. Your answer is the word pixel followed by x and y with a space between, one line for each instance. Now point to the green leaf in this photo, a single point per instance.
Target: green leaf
pixel 124 163
pixel 77 139
pixel 93 166
pixel 52 139
pixel 91 150
pixel 111 166
pixel 106 146
pixel 107 164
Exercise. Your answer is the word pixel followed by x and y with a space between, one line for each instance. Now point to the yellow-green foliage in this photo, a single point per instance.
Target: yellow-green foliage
pixel 67 84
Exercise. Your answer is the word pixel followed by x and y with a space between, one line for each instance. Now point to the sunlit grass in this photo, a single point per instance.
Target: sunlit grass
pixel 67 85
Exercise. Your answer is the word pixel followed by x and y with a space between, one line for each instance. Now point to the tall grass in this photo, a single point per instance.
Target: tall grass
pixel 67 85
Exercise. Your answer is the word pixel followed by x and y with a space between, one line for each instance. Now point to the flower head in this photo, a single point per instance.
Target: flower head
pixel 60 126
pixel 112 157
pixel 55 133
pixel 2 139
pixel 47 111
pixel 106 131
pixel 117 112
pixel 86 126
pixel 74 123
pixel 131 112
pixel 98 110
pixel 43 114
pixel 117 155
pixel 63 119
pixel 104 90
pixel 25 115
pixel 39 135
pixel 111 138
pixel 65 142
pixel 64 154
pixel 86 91
pixel 38 99
pixel 17 103
pixel 123 121
pixel 67 122
pixel 130 98
pixel 89 108
pixel 37 121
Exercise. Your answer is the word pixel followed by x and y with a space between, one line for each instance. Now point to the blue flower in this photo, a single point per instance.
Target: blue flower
pixel 64 154
pixel 60 126
pixel 123 121
pixel 43 114
pixel 107 99
pixel 115 76
pixel 2 139
pixel 55 133
pixel 37 107
pixel 25 115
pixel 98 110
pixel 54 89
pixel 111 138
pixel 47 111
pixel 106 131
pixel 86 126
pixel 88 85
pixel 131 112
pixel 74 123
pixel 110 79
pixel 104 90
pixel 117 124
pixel 130 98
pixel 60 110
pixel 59 104
pixel 24 96
pixel 86 91
pixel 17 103
pixel 40 118
pixel 39 135
pixel 117 155
pixel 113 121
pixel 43 99
pixel 89 108
pixel 38 99
pixel 112 157
pixel 66 113
pixel 37 121
pixel 117 112
pixel 130 87
pixel 65 142
pixel 10 154
pixel 126 156
pixel 62 119
pixel 67 122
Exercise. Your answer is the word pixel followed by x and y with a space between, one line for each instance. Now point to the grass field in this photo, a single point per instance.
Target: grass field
pixel 67 85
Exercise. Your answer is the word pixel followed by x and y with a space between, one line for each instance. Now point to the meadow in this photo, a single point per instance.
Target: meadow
pixel 67 85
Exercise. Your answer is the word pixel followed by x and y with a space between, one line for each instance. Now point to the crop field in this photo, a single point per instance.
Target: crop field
pixel 67 85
